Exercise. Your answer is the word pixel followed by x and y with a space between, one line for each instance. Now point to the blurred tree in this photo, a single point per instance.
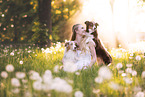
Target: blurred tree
pixel 16 17
pixel 29 20
pixel 44 14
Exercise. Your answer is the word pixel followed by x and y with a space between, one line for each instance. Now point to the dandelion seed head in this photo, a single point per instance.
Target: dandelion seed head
pixel 15 90
pixel 134 73
pixel 21 62
pixel 15 82
pixel 99 80
pixel 20 75
pixel 119 65
pixel 4 74
pixel 105 73
pixel 61 85
pixel 37 85
pixel 56 69
pixel 9 68
pixel 78 94
pixel 143 74
pixel 129 65
pixel 138 58
pixel 140 94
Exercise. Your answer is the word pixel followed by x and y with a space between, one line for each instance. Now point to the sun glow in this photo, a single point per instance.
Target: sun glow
pixel 120 21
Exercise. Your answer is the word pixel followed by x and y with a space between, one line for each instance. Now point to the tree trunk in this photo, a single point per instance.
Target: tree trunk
pixel 44 13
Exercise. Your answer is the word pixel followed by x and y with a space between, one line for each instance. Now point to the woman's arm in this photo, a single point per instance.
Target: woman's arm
pixel 93 53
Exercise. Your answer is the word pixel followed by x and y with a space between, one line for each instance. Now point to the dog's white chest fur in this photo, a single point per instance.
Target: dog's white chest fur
pixel 70 55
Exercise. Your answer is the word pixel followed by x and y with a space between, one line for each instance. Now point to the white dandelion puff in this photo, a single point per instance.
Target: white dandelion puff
pixel 128 70
pixel 12 53
pixel 4 74
pixel 15 82
pixel 123 74
pixel 56 69
pixel 15 90
pixel 114 86
pixel 129 65
pixel 119 65
pixel 140 94
pixel 98 79
pixel 78 94
pixel 134 73
pixel 9 68
pixel 21 62
pixel 138 58
pixel 143 74
pixel 37 85
pixel 20 75
pixel 61 85
pixel 105 73
pixel 128 80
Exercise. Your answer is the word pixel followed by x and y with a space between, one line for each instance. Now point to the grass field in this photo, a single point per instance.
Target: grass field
pixel 30 71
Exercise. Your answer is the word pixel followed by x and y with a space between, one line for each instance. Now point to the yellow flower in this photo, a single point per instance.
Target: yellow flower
pixel 22 38
pixel 31 3
pixel 58 12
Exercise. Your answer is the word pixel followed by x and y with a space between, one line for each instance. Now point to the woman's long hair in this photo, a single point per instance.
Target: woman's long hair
pixel 75 27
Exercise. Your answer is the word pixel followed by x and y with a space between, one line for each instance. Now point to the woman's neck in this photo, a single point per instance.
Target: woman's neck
pixel 78 39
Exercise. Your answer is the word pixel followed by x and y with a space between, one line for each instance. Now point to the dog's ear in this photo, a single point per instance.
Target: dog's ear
pixel 86 22
pixel 96 24
pixel 66 44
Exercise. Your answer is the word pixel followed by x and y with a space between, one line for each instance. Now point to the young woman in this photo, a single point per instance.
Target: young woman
pixel 86 47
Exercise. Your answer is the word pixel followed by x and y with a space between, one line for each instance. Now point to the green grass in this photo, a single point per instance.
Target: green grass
pixel 84 80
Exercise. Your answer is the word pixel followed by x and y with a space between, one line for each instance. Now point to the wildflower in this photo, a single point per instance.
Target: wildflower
pixel 140 94
pixel 15 90
pixel 128 65
pixel 4 74
pixel 119 65
pixel 37 85
pixel 21 62
pixel 134 73
pixel 9 68
pixel 143 74
pixel 20 75
pixel 138 58
pixel 78 94
pixel 98 79
pixel 12 53
pixel 61 85
pixel 15 82
pixel 105 72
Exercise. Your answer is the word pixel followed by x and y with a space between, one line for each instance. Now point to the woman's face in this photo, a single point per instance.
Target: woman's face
pixel 80 30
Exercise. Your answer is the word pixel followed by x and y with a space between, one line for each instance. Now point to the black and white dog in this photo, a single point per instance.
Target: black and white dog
pixel 103 57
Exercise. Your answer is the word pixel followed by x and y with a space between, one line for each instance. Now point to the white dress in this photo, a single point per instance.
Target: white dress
pixel 84 56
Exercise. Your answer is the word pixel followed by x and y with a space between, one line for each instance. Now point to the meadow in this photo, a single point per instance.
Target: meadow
pixel 31 71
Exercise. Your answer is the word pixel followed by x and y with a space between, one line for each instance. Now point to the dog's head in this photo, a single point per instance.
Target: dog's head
pixel 91 26
pixel 71 45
